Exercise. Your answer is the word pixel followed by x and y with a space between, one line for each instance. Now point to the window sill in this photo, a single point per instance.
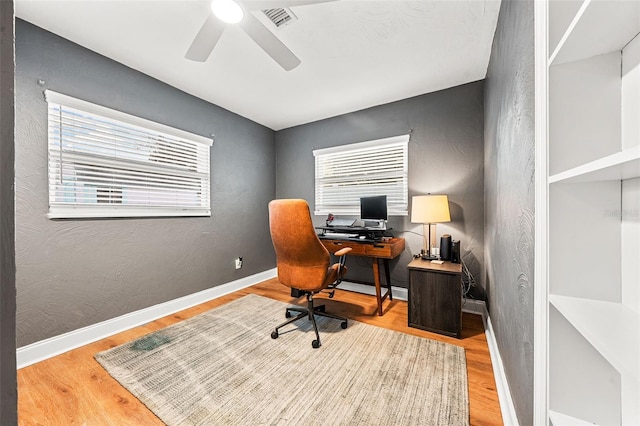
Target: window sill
pixel 115 213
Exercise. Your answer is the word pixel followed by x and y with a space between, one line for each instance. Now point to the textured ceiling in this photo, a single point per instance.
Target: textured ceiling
pixel 355 54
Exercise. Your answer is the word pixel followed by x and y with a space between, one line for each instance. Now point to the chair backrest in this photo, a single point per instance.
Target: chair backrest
pixel 303 261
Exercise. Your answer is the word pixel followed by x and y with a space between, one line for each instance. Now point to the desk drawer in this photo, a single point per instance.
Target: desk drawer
pixel 357 249
pixel 378 250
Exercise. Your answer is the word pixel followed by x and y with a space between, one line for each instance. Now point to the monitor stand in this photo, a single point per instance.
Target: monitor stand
pixel 375 224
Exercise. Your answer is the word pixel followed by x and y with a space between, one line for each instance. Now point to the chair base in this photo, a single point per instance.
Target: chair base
pixel 310 311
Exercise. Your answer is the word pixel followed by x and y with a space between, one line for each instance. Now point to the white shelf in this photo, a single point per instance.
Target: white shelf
pixel 561 14
pixel 612 328
pixel 619 166
pixel 616 23
pixel 559 419
pixel 590 150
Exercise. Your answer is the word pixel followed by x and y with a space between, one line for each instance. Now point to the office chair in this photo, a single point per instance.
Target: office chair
pixel 303 262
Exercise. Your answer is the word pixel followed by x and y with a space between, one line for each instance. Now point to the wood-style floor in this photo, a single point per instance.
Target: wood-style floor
pixel 73 389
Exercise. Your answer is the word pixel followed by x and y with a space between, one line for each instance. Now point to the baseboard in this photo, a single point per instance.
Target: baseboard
pixel 44 349
pixel 399 293
pixel 471 306
pixel 507 408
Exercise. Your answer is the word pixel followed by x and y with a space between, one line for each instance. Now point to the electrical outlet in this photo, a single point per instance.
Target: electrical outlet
pixel 238 262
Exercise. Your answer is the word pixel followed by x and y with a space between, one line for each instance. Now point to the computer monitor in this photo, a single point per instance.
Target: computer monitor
pixel 373 208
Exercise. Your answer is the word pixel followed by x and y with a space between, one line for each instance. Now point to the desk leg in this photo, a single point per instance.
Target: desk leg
pixel 376 280
pixel 387 274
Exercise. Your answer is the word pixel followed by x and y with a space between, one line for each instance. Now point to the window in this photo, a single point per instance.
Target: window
pixel 346 173
pixel 105 163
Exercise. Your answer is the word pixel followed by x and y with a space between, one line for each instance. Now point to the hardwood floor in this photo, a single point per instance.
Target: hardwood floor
pixel 73 389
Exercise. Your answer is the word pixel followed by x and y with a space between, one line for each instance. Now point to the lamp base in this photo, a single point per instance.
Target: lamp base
pixel 427 257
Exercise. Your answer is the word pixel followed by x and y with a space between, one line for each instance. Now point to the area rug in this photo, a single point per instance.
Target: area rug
pixel 222 367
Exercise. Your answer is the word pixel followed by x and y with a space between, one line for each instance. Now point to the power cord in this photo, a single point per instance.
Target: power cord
pixel 468 280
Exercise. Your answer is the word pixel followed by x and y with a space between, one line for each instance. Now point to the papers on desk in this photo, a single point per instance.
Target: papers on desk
pixel 339 235
pixel 342 222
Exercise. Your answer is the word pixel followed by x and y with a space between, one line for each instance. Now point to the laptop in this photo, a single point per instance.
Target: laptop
pixel 342 222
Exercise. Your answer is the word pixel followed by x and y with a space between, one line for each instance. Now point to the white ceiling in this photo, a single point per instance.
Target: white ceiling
pixel 355 53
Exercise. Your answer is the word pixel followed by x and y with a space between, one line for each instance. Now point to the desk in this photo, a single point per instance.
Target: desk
pixel 383 250
pixel 435 297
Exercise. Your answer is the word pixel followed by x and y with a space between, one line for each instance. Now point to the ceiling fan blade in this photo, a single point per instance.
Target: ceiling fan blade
pixel 269 42
pixel 206 39
pixel 274 4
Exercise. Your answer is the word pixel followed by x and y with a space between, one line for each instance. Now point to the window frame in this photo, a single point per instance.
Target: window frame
pixel 161 136
pixel 397 200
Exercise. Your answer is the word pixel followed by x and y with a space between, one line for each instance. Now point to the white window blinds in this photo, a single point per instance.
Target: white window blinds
pixel 105 163
pixel 346 173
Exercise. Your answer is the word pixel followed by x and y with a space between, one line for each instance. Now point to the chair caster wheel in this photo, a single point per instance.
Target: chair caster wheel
pixel 315 344
pixel 287 314
pixel 343 324
pixel 274 335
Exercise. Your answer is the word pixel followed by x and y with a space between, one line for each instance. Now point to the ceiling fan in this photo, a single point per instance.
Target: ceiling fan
pixel 238 12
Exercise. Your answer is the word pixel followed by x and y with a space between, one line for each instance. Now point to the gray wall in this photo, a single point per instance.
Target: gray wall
pixel 8 394
pixel 509 197
pixel 74 273
pixel 445 157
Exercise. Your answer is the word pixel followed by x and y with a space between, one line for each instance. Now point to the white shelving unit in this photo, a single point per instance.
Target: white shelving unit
pixel 591 265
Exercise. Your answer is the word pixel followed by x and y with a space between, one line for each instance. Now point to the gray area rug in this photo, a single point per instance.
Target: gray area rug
pixel 222 367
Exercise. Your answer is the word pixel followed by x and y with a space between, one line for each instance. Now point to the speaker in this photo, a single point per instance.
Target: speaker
pixel 455 251
pixel 445 247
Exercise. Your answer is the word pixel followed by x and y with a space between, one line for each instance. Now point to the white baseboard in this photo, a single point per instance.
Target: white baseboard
pixel 471 306
pixel 399 293
pixel 507 408
pixel 44 349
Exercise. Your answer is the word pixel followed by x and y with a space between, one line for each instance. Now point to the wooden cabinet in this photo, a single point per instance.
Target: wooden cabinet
pixel 588 212
pixel 435 297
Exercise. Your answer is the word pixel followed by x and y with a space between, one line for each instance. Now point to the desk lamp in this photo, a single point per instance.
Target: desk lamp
pixel 429 210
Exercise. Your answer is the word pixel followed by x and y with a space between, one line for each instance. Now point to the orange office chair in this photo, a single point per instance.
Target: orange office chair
pixel 303 262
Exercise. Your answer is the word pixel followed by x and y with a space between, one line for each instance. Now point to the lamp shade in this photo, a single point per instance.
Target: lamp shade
pixel 430 209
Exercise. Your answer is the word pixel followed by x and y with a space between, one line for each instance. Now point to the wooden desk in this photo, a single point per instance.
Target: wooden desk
pixel 378 251
pixel 435 297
